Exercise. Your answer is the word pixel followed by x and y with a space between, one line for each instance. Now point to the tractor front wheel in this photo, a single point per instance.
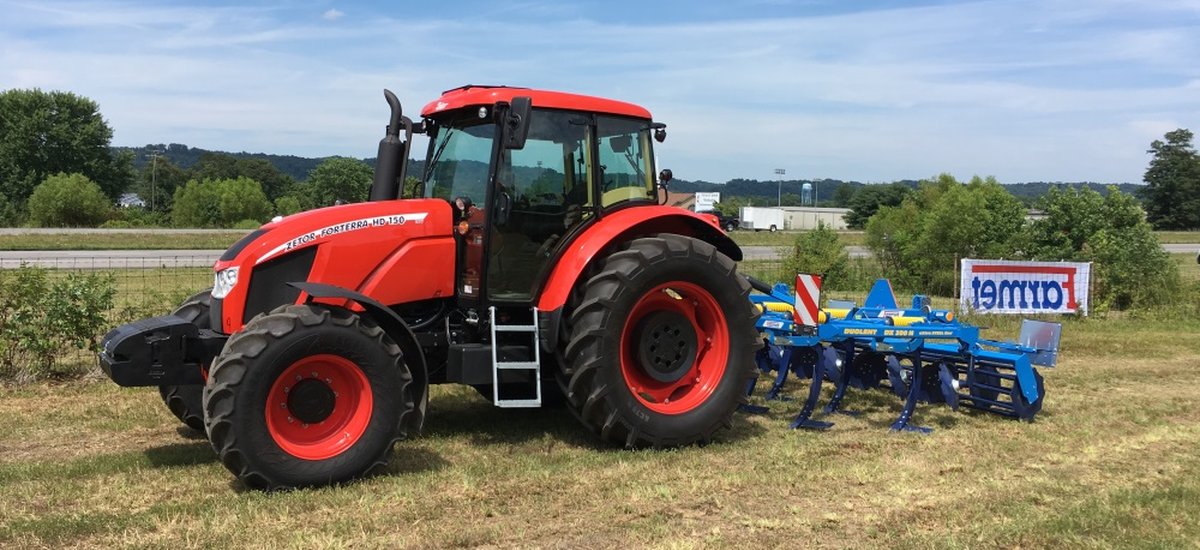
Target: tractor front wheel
pixel 661 344
pixel 307 395
pixel 185 402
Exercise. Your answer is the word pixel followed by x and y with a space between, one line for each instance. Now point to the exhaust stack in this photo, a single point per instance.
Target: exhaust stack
pixel 392 161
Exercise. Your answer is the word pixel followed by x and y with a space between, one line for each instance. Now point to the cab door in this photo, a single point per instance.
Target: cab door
pixel 540 193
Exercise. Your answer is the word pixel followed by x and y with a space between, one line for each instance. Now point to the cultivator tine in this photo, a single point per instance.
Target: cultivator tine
pixel 896 376
pixel 782 363
pixel 804 419
pixel 949 386
pixel 843 382
pixel 910 404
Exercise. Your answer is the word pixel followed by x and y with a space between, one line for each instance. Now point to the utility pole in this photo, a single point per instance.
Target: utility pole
pixel 153 175
pixel 779 192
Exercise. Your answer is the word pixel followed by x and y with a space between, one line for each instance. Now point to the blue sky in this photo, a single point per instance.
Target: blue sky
pixel 1025 90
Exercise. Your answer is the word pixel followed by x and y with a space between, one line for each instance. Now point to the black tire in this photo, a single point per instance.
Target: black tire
pixel 185 402
pixel 730 227
pixel 249 374
pixel 598 359
pixel 774 229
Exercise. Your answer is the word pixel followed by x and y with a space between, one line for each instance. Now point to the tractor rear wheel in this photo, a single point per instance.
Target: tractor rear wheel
pixel 661 343
pixel 307 395
pixel 185 401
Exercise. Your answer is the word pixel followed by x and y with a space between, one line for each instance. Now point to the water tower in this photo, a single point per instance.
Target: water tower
pixel 806 194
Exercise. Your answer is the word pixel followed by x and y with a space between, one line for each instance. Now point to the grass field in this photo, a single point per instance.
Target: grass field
pixel 1187 237
pixel 1110 461
pixel 122 241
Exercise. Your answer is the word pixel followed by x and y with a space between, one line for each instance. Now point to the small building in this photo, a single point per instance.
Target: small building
pixel 130 200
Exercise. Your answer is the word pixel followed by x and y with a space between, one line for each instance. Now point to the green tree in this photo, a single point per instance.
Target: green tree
pixel 1172 189
pixel 288 205
pixel 68 200
pixel 869 198
pixel 339 178
pixel 842 195
pixel 157 181
pixel 218 166
pixel 219 203
pixel 1130 268
pixel 919 242
pixel 242 199
pixel 45 133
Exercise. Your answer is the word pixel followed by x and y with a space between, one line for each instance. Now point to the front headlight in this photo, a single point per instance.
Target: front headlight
pixel 224 281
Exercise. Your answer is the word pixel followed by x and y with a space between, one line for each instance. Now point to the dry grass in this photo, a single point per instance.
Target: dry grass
pixel 1110 462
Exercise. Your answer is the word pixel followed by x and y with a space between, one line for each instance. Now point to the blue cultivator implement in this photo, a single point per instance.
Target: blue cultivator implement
pixel 919 353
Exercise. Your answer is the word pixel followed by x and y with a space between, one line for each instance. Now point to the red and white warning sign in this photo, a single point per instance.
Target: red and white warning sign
pixel 808 299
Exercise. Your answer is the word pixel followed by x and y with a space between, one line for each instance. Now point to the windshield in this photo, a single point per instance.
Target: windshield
pixel 458 166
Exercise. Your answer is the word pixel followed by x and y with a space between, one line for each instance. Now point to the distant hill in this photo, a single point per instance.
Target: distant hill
pixel 184 157
pixel 825 188
pixel 299 167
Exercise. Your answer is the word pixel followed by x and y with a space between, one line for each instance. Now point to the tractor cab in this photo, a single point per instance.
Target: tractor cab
pixel 525 171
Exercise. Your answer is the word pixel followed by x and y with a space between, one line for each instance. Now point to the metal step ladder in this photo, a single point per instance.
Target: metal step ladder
pixel 497 365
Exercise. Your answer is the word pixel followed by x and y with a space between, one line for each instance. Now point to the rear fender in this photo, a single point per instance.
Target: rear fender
pixel 615 228
pixel 395 328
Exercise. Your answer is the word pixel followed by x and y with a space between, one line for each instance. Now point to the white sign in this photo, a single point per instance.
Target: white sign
pixel 998 286
pixel 706 202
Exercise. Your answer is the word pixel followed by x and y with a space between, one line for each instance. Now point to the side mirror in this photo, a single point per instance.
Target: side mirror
pixel 620 144
pixel 516 122
pixel 660 131
pixel 665 176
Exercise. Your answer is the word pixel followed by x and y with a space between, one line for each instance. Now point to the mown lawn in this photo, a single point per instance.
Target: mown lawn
pixel 122 241
pixel 1111 461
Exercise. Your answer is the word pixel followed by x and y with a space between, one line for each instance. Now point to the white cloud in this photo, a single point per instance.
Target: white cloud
pixel 1024 90
pixel 332 14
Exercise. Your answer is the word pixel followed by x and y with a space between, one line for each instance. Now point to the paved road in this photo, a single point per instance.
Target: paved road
pixel 118 259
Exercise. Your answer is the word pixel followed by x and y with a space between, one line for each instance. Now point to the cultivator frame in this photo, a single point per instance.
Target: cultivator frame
pixel 919 353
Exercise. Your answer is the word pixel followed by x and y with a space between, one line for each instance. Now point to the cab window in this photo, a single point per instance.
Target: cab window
pixel 626 168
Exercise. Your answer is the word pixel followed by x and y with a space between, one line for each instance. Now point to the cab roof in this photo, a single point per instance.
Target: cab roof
pixel 472 95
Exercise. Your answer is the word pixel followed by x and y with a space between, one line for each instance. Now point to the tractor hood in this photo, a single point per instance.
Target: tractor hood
pixel 394 251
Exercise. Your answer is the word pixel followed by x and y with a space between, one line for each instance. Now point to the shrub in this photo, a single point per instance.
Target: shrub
pixel 247 224
pixel 68 200
pixel 219 203
pixel 42 319
pixel 288 205
pixel 819 251
pixel 1130 267
pixel 116 224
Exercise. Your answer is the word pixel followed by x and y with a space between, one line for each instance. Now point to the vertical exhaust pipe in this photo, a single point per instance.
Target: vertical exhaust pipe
pixel 392 161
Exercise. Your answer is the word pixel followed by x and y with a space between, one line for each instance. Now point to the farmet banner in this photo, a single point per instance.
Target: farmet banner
pixel 998 286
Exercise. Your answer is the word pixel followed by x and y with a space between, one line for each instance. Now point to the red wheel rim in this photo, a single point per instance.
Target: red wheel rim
pixel 319 407
pixel 699 372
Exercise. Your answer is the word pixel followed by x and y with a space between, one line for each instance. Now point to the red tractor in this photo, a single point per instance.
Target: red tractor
pixel 532 261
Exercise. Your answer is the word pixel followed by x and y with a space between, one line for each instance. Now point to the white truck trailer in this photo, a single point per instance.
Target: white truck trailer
pixel 761 218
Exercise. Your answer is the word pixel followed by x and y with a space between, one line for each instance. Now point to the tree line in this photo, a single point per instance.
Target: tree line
pixel 57 169
pixel 59 141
